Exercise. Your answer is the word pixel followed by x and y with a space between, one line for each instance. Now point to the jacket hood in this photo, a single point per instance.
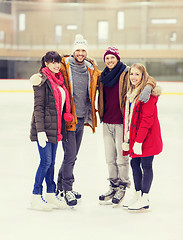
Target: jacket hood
pixel 37 79
pixel 156 91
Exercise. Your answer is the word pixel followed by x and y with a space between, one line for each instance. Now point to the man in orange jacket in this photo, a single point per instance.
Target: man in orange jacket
pixel 81 78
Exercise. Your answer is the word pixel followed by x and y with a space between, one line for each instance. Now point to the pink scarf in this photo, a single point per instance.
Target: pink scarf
pixel 56 80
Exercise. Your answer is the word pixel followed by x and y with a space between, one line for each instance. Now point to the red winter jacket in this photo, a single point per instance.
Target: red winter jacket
pixel 145 128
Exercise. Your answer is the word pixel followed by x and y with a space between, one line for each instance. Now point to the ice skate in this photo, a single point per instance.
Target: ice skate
pixel 70 198
pixel 141 205
pixel 61 194
pixel 106 198
pixel 119 195
pixel 51 198
pixel 38 203
pixel 77 195
pixel 129 200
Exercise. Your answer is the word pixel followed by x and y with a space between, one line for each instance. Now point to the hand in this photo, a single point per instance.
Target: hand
pixel 145 94
pixel 137 148
pixel 42 139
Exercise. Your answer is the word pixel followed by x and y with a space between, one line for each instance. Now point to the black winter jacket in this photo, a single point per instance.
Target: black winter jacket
pixel 44 118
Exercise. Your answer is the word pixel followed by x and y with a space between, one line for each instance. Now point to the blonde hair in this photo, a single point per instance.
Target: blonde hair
pixel 140 86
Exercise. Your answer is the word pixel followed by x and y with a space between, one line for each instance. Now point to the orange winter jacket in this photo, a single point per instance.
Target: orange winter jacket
pixel 94 73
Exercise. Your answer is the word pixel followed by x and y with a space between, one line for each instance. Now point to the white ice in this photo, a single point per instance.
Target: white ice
pixel 89 220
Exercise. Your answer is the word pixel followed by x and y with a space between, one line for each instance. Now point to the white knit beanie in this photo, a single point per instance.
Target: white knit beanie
pixel 80 43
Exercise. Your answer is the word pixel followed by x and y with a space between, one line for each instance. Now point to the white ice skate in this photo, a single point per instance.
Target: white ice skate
pixel 131 199
pixel 38 203
pixel 51 198
pixel 141 205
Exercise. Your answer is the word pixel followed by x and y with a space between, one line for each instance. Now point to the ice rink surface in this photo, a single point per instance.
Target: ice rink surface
pixel 88 220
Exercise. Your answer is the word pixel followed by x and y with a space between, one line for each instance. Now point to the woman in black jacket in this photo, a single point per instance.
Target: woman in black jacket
pixel 51 110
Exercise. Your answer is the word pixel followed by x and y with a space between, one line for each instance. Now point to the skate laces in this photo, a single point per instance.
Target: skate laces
pixel 119 194
pixel 58 198
pixel 110 191
pixel 70 196
pixel 43 199
pixel 75 193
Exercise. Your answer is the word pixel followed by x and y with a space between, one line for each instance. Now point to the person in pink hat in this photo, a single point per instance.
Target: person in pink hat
pixel 111 100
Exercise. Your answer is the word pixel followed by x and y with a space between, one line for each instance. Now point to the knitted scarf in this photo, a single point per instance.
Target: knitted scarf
pixel 110 78
pixel 56 80
pixel 130 103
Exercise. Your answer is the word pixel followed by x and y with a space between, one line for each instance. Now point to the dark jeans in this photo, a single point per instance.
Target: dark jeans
pixel 142 173
pixel 71 148
pixel 46 169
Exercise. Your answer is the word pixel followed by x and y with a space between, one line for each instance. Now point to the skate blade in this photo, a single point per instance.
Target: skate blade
pixel 60 207
pixel 115 205
pixel 39 209
pixel 125 207
pixel 142 210
pixel 72 208
pixel 108 202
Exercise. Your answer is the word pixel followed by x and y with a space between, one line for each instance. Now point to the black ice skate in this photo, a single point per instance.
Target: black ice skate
pixel 120 193
pixel 110 194
pixel 61 194
pixel 70 198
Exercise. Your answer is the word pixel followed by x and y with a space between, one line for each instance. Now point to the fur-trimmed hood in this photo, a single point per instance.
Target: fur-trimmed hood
pixel 37 79
pixel 156 91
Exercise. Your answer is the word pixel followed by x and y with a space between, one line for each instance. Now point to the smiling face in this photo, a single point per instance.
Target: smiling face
pixel 53 66
pixel 135 76
pixel 111 61
pixel 80 55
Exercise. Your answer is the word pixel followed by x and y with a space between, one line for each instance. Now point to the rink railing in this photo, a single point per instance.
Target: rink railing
pixel 24 86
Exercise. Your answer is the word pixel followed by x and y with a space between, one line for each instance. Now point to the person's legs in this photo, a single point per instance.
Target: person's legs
pixel 71 148
pixel 45 163
pixel 79 133
pixel 147 173
pixel 66 172
pixel 137 173
pixel 121 161
pixel 44 171
pixel 110 150
pixel 110 154
pixel 51 186
pixel 147 177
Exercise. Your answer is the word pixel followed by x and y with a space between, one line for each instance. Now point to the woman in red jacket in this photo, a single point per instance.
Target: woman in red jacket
pixel 142 135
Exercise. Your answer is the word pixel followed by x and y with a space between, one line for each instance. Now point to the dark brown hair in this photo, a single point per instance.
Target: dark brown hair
pixel 50 56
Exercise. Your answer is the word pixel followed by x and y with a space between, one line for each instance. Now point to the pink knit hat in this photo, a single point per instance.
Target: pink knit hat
pixel 112 50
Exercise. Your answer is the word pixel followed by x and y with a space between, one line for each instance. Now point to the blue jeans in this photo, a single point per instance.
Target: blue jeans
pixel 142 173
pixel 71 148
pixel 46 168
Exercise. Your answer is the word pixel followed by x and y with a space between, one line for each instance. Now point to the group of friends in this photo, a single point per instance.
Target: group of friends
pixel 64 102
